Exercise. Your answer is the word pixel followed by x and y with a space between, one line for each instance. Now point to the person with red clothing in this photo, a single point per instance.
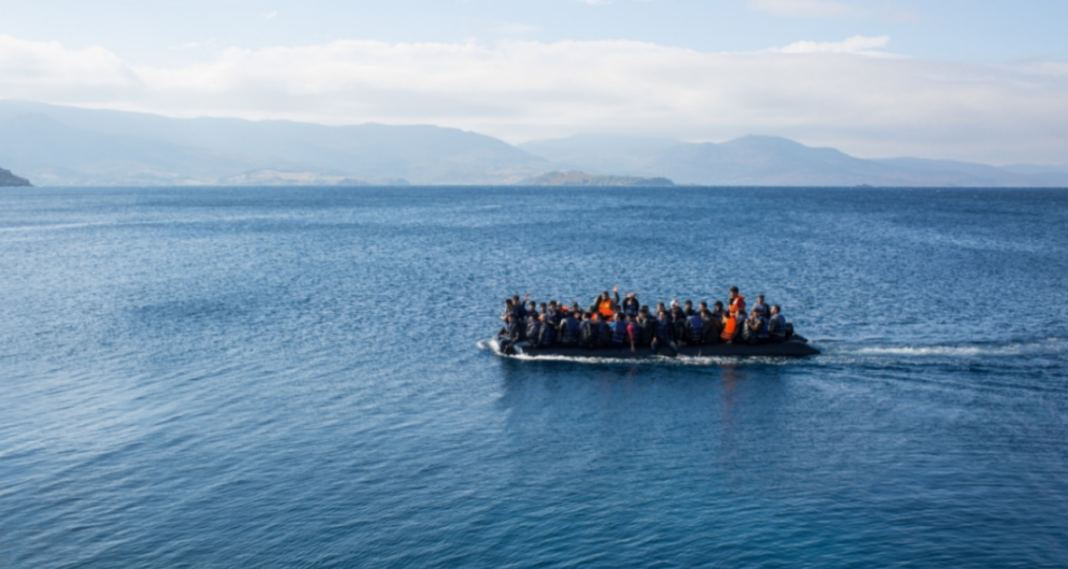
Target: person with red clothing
pixel 737 301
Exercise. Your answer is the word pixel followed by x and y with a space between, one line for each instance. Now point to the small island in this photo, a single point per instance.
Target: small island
pixel 10 180
pixel 576 178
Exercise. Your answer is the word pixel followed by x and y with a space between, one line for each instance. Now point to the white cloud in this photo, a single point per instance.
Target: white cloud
pixel 818 93
pixel 859 45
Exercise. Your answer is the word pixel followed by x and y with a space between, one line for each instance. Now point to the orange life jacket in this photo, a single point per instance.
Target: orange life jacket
pixel 739 303
pixel 730 324
pixel 605 308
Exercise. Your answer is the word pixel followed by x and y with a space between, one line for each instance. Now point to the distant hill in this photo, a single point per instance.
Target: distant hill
pixel 774 161
pixel 8 179
pixel 55 145
pixel 575 178
pixel 71 146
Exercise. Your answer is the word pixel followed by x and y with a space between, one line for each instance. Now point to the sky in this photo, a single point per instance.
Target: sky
pixel 985 81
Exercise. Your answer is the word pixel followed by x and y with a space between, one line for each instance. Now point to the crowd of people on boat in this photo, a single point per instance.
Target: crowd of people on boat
pixel 611 322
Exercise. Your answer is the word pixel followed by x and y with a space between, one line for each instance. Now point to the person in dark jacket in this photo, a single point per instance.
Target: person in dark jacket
pixel 678 323
pixel 604 336
pixel 709 325
pixel 648 325
pixel 590 331
pixel 631 306
pixel 665 332
pixel 776 325
pixel 756 328
pixel 510 335
pixel 619 330
pixel 548 334
pixel 569 330
pixel 695 327
pixel 534 330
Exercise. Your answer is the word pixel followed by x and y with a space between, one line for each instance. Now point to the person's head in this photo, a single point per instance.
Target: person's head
pixel 619 315
pixel 734 291
pixel 703 305
pixel 661 314
pixel 659 307
pixel 644 309
pixel 553 304
pixel 754 313
pixel 576 308
pixel 604 295
pixel 532 305
pixel 508 303
pixel 688 304
pixel 515 299
pixel 630 318
pixel 775 309
pixel 718 305
pixel 760 299
pixel 543 307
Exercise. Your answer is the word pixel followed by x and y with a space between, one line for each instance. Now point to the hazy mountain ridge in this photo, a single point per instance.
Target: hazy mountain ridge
pixel 55 145
pixel 773 161
pixel 576 178
pixel 71 146
pixel 7 179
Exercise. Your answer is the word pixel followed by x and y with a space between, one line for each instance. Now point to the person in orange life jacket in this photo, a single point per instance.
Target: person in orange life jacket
pixel 606 305
pixel 511 334
pixel 570 330
pixel 630 305
pixel 590 330
pixel 760 306
pixel 664 339
pixel 737 301
pixel 634 333
pixel 547 336
pixel 756 328
pixel 604 336
pixel 776 325
pixel 619 330
pixel 732 326
pixel 695 327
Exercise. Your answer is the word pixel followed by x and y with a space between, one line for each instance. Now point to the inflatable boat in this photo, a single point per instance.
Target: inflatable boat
pixel 795 347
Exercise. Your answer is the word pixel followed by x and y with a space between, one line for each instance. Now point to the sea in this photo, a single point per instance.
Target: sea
pixel 299 377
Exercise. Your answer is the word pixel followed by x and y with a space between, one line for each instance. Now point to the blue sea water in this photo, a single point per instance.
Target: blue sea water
pixel 294 377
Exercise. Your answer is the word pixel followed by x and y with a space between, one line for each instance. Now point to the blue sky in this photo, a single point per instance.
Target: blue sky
pixel 978 80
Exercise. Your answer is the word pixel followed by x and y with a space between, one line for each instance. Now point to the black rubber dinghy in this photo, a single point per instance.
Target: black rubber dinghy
pixel 795 347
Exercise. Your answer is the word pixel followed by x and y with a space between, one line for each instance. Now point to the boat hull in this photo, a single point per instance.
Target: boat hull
pixel 796 347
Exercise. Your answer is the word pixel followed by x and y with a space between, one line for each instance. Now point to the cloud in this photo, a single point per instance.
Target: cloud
pixel 859 45
pixel 827 93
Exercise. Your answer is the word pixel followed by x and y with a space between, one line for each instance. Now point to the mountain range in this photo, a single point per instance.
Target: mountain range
pixel 56 145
